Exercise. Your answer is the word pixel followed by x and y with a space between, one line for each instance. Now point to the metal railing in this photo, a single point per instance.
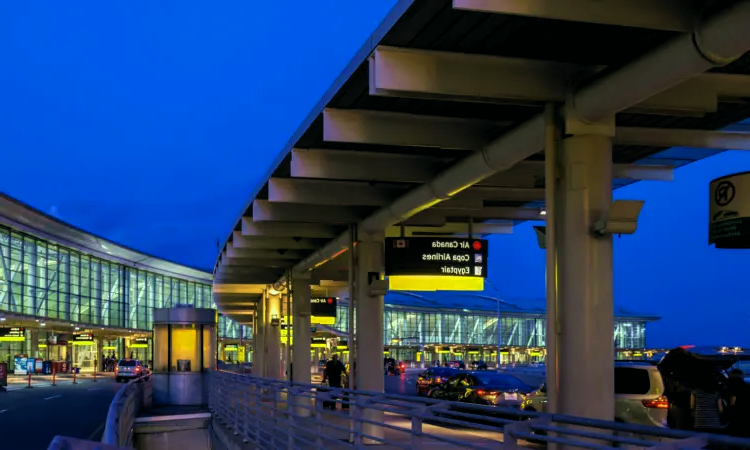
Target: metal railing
pixel 276 414
pixel 127 403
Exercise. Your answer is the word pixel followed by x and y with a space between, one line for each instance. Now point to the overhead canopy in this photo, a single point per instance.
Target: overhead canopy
pixel 438 120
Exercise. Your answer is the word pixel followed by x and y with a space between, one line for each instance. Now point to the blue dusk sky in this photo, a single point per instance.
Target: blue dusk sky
pixel 149 123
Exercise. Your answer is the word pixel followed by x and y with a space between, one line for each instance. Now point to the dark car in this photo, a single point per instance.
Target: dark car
pixel 395 368
pixel 433 377
pixel 479 365
pixel 484 388
pixel 456 364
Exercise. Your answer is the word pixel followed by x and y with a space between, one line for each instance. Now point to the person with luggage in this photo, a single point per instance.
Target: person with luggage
pixel 332 373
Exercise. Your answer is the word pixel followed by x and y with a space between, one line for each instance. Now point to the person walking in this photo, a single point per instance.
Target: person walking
pixel 332 373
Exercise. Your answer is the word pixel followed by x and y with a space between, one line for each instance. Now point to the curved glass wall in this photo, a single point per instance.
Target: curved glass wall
pixel 402 326
pixel 43 279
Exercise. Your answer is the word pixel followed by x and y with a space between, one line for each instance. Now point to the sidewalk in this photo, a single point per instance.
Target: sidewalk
pixel 47 379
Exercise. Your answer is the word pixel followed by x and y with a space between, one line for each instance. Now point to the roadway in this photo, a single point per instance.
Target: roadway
pixel 31 418
pixel 406 383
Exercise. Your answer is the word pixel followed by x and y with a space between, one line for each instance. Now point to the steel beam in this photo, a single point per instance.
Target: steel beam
pixel 237 312
pixel 659 137
pixel 241 264
pixel 385 128
pixel 221 289
pixel 410 73
pixel 265 211
pixel 240 256
pixel 342 164
pixel 667 15
pixel 450 229
pixel 267 277
pixel 261 242
pixel 299 230
pixel 332 193
pixel 501 213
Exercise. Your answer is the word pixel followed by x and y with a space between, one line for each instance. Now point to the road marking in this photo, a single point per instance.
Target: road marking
pixel 96 435
pixel 3 410
pixel 95 389
pixel 54 396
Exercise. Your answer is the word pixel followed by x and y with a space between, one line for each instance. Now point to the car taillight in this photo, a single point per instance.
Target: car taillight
pixel 137 369
pixel 659 403
pixel 437 380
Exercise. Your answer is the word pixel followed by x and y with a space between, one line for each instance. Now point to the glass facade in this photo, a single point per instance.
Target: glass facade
pixel 42 279
pixel 423 327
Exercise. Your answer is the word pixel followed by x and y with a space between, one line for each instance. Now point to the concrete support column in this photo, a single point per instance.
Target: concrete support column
pixel 273 338
pixel 370 310
pixel 259 364
pixel 34 344
pixel 301 340
pixel 585 298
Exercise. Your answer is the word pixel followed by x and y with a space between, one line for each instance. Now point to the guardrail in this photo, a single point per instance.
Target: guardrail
pixel 277 414
pixel 129 400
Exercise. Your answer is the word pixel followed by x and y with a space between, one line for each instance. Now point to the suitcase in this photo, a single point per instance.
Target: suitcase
pixel 327 404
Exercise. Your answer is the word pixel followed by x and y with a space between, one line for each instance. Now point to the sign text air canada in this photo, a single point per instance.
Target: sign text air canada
pixel 463 245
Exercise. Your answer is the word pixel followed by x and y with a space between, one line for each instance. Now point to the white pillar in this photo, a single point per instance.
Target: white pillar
pixel 259 365
pixel 370 309
pixel 273 338
pixel 301 339
pixel 585 303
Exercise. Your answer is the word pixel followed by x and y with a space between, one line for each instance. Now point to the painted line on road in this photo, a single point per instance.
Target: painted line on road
pixel 54 396
pixel 96 435
pixel 4 410
pixel 95 389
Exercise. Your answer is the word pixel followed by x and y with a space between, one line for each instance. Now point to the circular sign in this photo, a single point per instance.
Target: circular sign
pixel 477 246
pixel 724 193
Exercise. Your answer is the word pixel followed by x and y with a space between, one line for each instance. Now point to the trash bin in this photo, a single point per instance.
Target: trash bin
pixel 183 365
pixel 78 370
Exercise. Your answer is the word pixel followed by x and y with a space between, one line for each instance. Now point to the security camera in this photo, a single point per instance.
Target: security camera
pixel 622 218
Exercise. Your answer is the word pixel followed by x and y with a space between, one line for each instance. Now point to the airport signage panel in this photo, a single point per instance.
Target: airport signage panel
pixel 13 334
pixel 729 211
pixel 323 306
pixel 83 337
pixel 428 256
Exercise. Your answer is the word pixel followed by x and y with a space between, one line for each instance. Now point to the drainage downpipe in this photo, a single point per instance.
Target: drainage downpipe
pixel 719 41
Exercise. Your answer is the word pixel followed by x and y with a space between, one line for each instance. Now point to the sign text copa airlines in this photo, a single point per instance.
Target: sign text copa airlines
pixel 428 256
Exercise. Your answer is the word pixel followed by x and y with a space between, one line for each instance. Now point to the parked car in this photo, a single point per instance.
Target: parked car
pixel 639 395
pixel 130 369
pixel 484 388
pixel 433 377
pixel 478 365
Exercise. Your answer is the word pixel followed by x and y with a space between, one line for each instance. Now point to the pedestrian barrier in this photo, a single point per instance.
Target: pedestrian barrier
pixel 276 414
pixel 129 400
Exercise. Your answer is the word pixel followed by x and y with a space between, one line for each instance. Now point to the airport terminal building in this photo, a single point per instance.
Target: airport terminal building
pixel 463 326
pixel 68 295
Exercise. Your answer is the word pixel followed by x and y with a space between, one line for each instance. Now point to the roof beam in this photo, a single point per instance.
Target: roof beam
pixel 659 137
pixel 300 230
pixel 410 73
pixel 259 242
pixel 257 276
pixel 236 312
pixel 265 211
pixel 222 289
pixel 332 193
pixel 667 15
pixel 450 229
pixel 257 263
pixel 384 128
pixel 239 256
pixel 342 164
pixel 364 166
pixel 503 213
